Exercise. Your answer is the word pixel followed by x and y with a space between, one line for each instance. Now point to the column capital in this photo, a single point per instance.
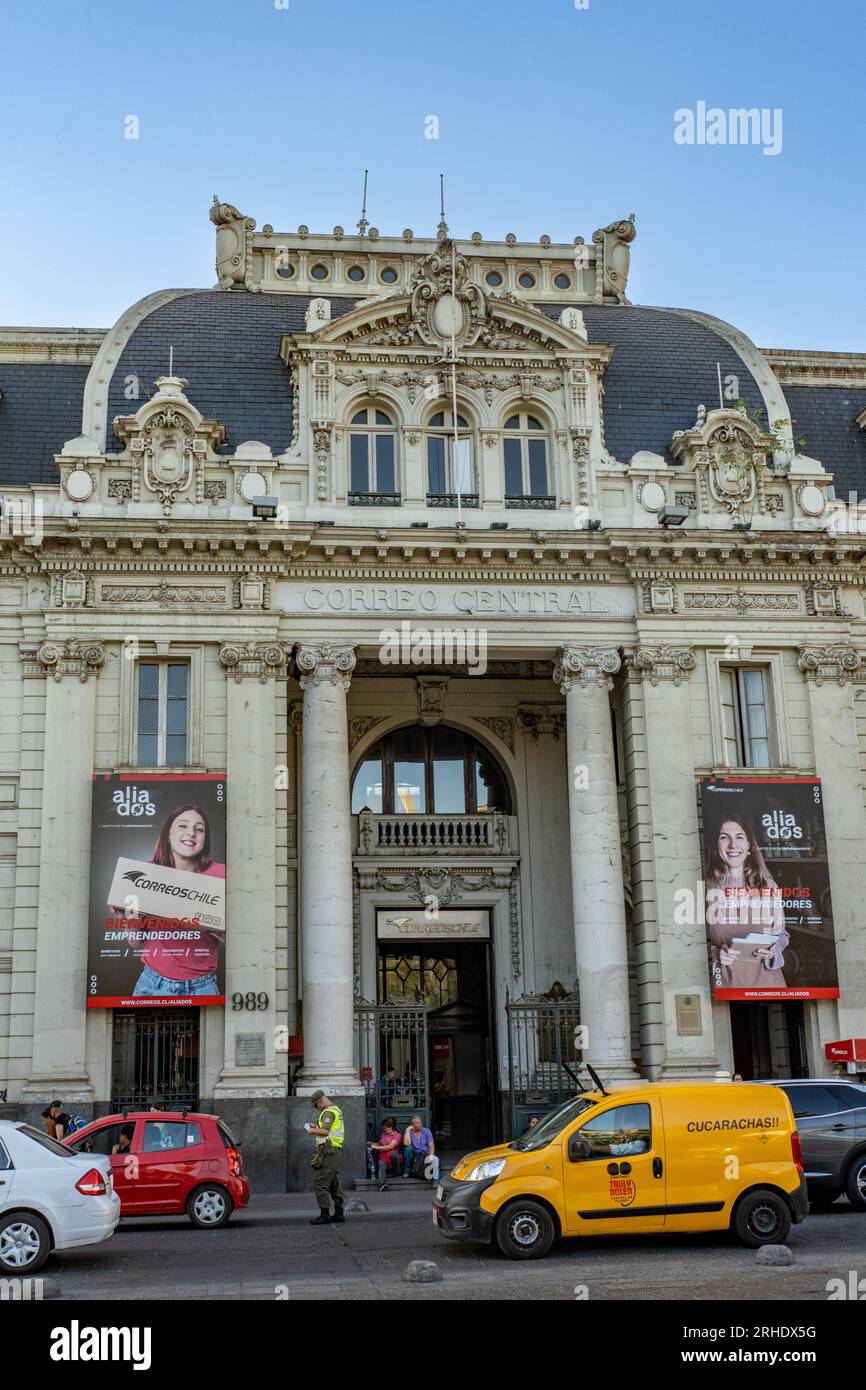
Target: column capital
pixel 582 666
pixel 661 663
pixel 319 662
pixel 70 657
pixel 835 663
pixel 254 661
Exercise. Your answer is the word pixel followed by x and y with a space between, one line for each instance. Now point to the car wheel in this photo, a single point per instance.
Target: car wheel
pixel 525 1231
pixel 25 1243
pixel 855 1183
pixel 209 1207
pixel 761 1218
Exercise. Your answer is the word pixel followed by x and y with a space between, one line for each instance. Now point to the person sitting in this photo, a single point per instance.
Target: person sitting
pixel 626 1142
pixel 387 1151
pixel 124 1143
pixel 419 1156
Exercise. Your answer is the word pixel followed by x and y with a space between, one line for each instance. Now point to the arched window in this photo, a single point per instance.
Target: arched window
pixel 524 444
pixel 372 457
pixel 446 475
pixel 417 771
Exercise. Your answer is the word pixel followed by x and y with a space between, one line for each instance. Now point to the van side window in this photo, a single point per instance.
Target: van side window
pixel 620 1132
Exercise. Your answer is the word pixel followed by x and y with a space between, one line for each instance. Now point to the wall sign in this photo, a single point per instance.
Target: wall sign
pixel 449 924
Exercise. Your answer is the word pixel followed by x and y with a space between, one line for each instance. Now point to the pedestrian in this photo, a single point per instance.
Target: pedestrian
pixel 419 1157
pixel 387 1151
pixel 56 1120
pixel 327 1159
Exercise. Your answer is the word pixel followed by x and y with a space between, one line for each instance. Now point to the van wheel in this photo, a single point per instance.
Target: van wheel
pixel 209 1207
pixel 855 1183
pixel 525 1230
pixel 761 1218
pixel 25 1243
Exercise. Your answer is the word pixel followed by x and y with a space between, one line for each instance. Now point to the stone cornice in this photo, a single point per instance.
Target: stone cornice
pixel 261 661
pixel 69 657
pixel 830 663
pixel 319 662
pixel 578 667
pixel 796 368
pixel 50 344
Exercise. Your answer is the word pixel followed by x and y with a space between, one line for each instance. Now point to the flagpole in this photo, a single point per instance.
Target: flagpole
pixel 454 377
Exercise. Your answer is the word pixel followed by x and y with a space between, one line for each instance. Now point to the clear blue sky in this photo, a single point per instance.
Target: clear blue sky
pixel 552 119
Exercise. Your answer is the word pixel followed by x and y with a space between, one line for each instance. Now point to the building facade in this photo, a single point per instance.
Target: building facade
pixel 461 578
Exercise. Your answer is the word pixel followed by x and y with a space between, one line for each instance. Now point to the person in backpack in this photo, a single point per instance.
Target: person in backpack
pixel 56 1120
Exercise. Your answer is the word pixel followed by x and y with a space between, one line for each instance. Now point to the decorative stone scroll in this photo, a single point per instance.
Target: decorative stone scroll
pixel 259 661
pixel 69 658
pixel 662 663
pixel 831 663
pixel 582 666
pixel 324 661
pixel 535 720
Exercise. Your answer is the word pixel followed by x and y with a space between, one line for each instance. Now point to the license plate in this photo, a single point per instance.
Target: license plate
pixel 440 1193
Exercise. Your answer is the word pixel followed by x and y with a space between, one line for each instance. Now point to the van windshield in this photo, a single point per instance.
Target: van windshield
pixel 552 1124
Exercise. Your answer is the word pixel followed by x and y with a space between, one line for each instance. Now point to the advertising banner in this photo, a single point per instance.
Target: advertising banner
pixel 767 884
pixel 157 890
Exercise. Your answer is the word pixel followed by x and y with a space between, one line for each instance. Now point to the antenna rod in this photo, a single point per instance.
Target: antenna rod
pixel 363 224
pixel 721 400
pixel 171 361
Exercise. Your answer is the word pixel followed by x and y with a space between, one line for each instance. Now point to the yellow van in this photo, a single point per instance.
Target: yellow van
pixel 676 1156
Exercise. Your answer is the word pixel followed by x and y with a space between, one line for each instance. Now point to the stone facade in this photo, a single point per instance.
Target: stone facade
pixel 621 585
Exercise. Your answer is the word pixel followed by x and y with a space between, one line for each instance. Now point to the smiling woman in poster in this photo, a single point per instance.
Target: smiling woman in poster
pixel 172 969
pixel 743 899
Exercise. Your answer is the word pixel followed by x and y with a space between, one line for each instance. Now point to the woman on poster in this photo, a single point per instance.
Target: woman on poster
pixel 169 968
pixel 743 899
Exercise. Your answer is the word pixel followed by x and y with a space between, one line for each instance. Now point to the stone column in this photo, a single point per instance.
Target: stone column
pixel 830 673
pixel 249 1073
pixel 59 1022
pixel 585 675
pixel 668 909
pixel 325 672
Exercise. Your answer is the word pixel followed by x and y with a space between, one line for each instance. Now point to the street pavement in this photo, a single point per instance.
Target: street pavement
pixel 270 1252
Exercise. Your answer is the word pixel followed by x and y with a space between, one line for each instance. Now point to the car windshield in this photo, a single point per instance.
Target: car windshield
pixel 45 1140
pixel 552 1124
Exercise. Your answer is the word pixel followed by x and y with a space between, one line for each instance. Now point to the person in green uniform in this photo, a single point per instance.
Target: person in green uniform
pixel 329 1134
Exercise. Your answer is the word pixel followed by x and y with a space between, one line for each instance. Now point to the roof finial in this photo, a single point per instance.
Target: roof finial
pixel 442 229
pixel 362 224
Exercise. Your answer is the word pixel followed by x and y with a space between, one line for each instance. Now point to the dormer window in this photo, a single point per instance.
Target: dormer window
pixel 372 458
pixel 524 445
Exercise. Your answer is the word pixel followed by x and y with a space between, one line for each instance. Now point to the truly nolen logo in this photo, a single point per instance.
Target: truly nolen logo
pixel 77 1343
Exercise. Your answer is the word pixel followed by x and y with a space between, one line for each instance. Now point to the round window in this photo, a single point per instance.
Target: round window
pixel 319 272
pixel 526 281
pixel 355 272
pixel 389 275
pixel 493 277
pixel 562 282
pixel 285 272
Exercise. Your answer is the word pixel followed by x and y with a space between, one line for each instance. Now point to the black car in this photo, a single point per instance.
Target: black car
pixel 831 1121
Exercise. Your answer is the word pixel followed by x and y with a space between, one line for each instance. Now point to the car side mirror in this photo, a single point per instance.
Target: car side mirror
pixel 578 1149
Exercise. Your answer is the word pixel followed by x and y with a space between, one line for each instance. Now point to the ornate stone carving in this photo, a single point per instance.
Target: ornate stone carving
pixel 662 663
pixel 535 720
pixel 824 601
pixel 169 442
pixel 165 594
pixel 119 489
pixel 728 454
pixel 361 724
pixel 254 661
pixel 742 602
pixel 69 658
pixel 431 698
pixel 214 491
pixel 501 727
pixel 582 666
pixel 612 258
pixel 296 716
pixel 73 590
pixel 838 663
pixel 322 434
pixel 325 661
pixel 233 262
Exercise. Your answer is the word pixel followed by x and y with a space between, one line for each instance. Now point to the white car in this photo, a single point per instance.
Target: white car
pixel 50 1198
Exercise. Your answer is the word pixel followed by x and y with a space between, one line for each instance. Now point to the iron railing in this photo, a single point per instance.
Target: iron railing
pixel 392 1036
pixel 544 1056
pixel 155 1056
pixel 432 834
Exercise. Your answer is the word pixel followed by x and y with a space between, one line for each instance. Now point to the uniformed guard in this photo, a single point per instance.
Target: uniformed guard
pixel 327 1159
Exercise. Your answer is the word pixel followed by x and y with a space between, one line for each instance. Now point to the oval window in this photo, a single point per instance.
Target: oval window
pixel 493 278
pixel 355 273
pixel 319 272
pixel 526 281
pixel 285 272
pixel 389 275
pixel 562 282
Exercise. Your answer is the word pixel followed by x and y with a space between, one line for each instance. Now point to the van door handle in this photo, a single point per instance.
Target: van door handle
pixel 657 1168
pixel 838 1126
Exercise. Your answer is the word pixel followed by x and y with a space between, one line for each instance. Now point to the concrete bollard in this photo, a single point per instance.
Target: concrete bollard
pixel 775 1255
pixel 422 1272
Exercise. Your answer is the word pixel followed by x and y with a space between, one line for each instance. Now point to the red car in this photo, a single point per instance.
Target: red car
pixel 167 1162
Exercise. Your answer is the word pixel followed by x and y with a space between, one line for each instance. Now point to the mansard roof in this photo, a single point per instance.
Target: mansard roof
pixel 226 343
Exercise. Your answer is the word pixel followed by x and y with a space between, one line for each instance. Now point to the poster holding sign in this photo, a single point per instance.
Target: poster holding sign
pixel 157 890
pixel 767 883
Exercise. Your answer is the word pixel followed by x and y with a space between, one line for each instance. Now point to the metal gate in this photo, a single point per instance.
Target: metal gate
pixel 155 1057
pixel 392 1037
pixel 544 1057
